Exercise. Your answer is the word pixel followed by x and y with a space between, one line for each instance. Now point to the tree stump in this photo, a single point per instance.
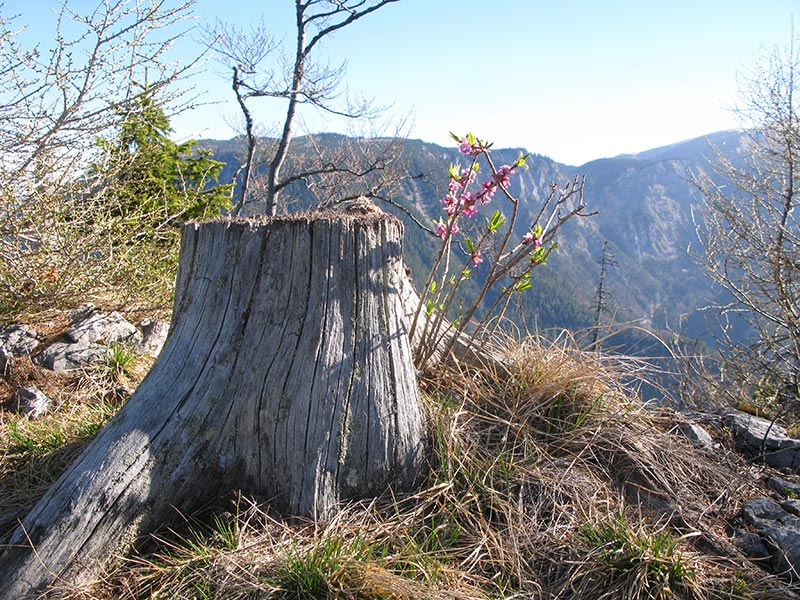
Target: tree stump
pixel 287 374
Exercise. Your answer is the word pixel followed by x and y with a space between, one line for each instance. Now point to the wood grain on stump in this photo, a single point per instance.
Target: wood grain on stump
pixel 287 374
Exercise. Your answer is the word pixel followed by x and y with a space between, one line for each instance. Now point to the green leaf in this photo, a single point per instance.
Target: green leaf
pixel 496 221
pixel 524 284
pixel 470 245
pixel 429 308
pixel 433 287
pixel 541 254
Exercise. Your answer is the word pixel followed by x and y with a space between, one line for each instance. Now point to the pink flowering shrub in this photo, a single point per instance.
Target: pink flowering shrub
pixel 477 244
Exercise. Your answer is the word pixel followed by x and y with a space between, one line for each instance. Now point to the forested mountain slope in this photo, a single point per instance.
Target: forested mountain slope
pixel 644 204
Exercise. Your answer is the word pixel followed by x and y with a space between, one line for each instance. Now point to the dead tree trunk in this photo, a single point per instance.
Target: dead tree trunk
pixel 287 374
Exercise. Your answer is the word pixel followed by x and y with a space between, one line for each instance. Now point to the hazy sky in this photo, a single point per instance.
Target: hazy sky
pixel 573 79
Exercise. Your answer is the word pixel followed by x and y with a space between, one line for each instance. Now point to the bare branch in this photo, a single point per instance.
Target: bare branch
pixel 351 9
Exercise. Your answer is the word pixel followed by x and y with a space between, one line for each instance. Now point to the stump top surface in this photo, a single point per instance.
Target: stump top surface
pixel 362 213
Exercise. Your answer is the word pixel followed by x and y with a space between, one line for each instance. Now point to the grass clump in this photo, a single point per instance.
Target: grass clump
pixel 121 361
pixel 625 560
pixel 34 452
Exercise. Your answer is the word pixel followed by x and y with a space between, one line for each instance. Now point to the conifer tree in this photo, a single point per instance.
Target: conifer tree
pixel 155 178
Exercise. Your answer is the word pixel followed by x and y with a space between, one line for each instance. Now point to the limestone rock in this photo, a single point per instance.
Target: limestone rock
pixel 154 334
pixel 106 327
pixel 787 489
pixel 698 436
pixel 65 356
pixel 757 435
pixel 87 340
pixel 780 532
pixel 32 401
pixel 750 544
pixel 82 312
pixel 18 340
pixel 6 362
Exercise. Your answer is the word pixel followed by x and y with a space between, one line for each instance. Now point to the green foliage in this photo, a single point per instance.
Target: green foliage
pixel 627 562
pixel 156 175
pixel 120 361
pixel 227 531
pixel 34 441
pixel 110 227
pixel 305 573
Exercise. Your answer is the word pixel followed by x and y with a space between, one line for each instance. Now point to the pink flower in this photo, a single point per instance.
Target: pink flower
pixel 477 258
pixel 488 188
pixel 469 210
pixel 503 175
pixel 465 147
pixel 467 176
pixel 529 237
pixel 450 204
pixel 441 229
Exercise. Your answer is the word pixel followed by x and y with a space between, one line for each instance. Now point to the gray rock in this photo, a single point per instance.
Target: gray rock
pixel 32 401
pixel 18 340
pixel 87 340
pixel 780 532
pixel 750 544
pixel 154 334
pixel 66 356
pixel 791 506
pixel 6 362
pixel 98 326
pixel 783 487
pixel 82 312
pixel 755 434
pixel 698 436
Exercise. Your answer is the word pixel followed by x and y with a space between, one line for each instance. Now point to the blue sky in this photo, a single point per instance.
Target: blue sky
pixel 574 80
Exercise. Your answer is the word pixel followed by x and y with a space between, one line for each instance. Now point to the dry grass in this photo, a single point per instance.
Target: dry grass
pixel 549 483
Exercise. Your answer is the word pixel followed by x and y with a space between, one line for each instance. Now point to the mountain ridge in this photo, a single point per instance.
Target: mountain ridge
pixel 644 203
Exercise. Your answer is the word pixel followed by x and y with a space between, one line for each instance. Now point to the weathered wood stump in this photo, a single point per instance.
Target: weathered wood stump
pixel 287 374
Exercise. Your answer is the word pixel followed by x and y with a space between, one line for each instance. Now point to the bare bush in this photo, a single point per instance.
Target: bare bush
pixel 751 235
pixel 62 230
